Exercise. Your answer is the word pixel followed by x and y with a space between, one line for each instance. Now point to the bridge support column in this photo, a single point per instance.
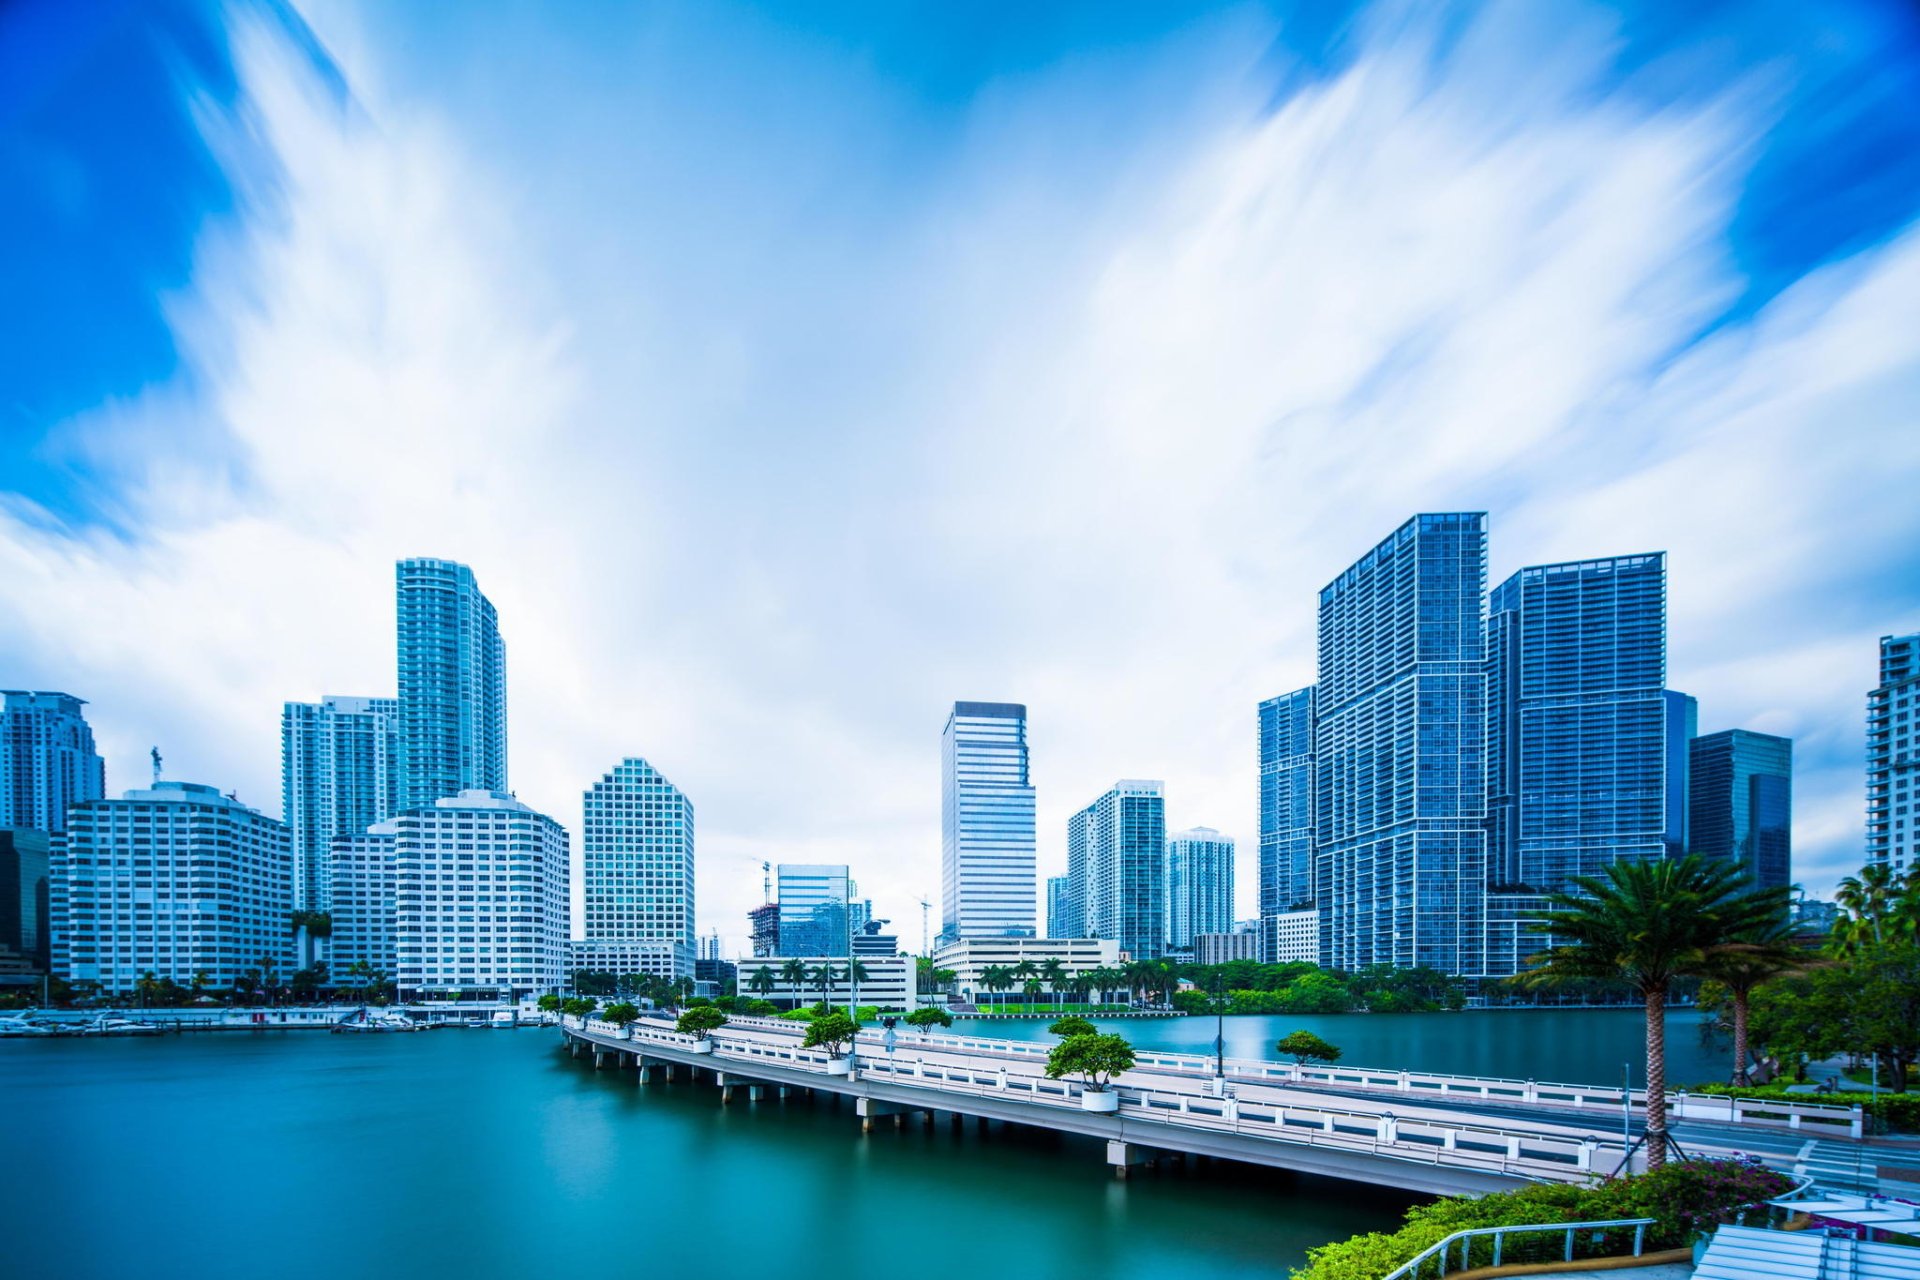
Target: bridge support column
pixel 756 1092
pixel 871 1109
pixel 1125 1155
pixel 599 1058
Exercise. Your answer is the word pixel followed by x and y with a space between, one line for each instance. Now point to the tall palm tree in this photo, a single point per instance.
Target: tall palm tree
pixel 1745 961
pixel 996 978
pixel 795 974
pixel 1646 923
pixel 1032 988
pixel 761 982
pixel 824 977
pixel 1025 970
pixel 1054 974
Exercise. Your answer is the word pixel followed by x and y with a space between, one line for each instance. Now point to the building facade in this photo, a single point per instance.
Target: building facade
pixel 480 891
pixel 1291 937
pixel 47 760
pixel 453 684
pixel 1286 803
pixel 339 774
pixel 1199 885
pixel 1123 838
pixel 176 880
pixel 971 958
pixel 637 858
pixel 1059 921
pixel 1399 754
pixel 659 958
pixel 814 901
pixel 891 982
pixel 1219 948
pixel 1742 803
pixel 987 868
pixel 1893 756
pixel 26 902
pixel 363 904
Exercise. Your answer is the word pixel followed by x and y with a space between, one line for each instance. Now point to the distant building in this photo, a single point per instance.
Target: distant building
pixel 986 813
pixel 1199 885
pixel 176 880
pixel 26 939
pixel 1286 802
pixel 1219 948
pixel 653 958
pixel 47 760
pixel 1060 920
pixel 869 941
pixel 891 981
pixel 637 860
pixel 764 924
pixel 1292 937
pixel 480 897
pixel 721 973
pixel 363 890
pixel 813 900
pixel 1742 803
pixel 453 684
pixel 1122 844
pixel 1893 757
pixel 339 774
pixel 970 958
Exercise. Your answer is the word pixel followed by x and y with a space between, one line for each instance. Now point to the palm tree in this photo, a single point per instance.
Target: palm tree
pixel 1024 972
pixel 1745 961
pixel 794 974
pixel 761 982
pixel 1031 988
pixel 1054 974
pixel 1874 900
pixel 1646 923
pixel 824 977
pixel 996 977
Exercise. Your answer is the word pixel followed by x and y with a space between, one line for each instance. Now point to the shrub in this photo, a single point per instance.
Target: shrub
pixel 759 1008
pixel 1302 1045
pixel 1096 1059
pixel 620 1014
pixel 830 1031
pixel 927 1017
pixel 1898 1111
pixel 1073 1025
pixel 698 1021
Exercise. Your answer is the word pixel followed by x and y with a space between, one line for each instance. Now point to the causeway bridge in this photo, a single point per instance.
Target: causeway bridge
pixel 1405 1130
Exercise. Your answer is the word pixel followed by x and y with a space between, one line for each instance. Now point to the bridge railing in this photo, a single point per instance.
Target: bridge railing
pixel 1441 1254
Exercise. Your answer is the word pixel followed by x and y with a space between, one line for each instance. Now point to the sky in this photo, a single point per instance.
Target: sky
pixel 789 372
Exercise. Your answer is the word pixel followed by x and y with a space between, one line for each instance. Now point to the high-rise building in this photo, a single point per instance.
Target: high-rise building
pixel 176 880
pixel 47 760
pixel 1742 803
pixel 1577 721
pixel 363 902
pixel 339 774
pixel 986 809
pixel 1399 759
pixel 636 841
pixel 764 925
pixel 814 900
pixel 1199 886
pixel 1683 719
pixel 1286 803
pixel 453 684
pixel 1893 756
pixel 1058 917
pixel 26 940
pixel 1124 838
pixel 480 897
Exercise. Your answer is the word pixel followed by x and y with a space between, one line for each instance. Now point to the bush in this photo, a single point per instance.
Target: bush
pixel 830 1031
pixel 927 1017
pixel 1192 1002
pixel 759 1008
pixel 1302 1045
pixel 1073 1025
pixel 801 1014
pixel 620 1014
pixel 1096 1059
pixel 697 1022
pixel 1897 1111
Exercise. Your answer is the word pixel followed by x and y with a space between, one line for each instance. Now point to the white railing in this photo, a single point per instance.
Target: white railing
pixel 1441 1252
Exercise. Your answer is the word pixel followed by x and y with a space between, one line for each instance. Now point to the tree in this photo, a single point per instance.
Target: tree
pixel 1742 963
pixel 698 1022
pixel 1031 989
pixel 1054 974
pixel 579 1006
pixel 795 974
pixel 1646 923
pixel 927 1017
pixel 832 1032
pixel 548 1004
pixel 1096 1059
pixel 1072 1025
pixel 761 981
pixel 996 977
pixel 823 977
pixel 1317 992
pixel 621 1014
pixel 1304 1045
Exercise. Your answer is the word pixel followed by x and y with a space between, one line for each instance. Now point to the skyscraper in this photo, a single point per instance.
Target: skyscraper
pixel 1399 760
pixel 636 844
pixel 1893 755
pixel 47 760
pixel 453 684
pixel 26 902
pixel 1742 803
pixel 986 809
pixel 339 774
pixel 364 885
pixel 1199 885
pixel 1124 837
pixel 1057 909
pixel 815 900
pixel 1286 803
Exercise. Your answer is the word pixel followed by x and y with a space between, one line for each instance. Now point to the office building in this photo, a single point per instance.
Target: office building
pixel 1122 837
pixel 26 940
pixel 869 941
pixel 1742 803
pixel 986 811
pixel 1059 915
pixel 480 890
pixel 339 774
pixel 1219 948
pixel 363 904
pixel 47 760
pixel 453 684
pixel 891 982
pixel 624 957
pixel 1893 757
pixel 1291 937
pixel 813 899
pixel 970 958
pixel 1286 803
pixel 1199 885
pixel 176 880
pixel 637 851
pixel 1399 759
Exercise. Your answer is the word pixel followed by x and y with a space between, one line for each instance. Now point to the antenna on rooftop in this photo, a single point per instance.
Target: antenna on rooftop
pixel 156 766
pixel 925 907
pixel 766 882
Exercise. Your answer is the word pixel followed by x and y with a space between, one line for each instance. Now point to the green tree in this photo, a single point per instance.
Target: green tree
pixel 927 1017
pixel 1053 974
pixel 1742 963
pixel 622 1014
pixel 1646 923
pixel 698 1022
pixel 1317 992
pixel 1304 1045
pixel 548 1004
pixel 761 981
pixel 1073 1025
pixel 796 975
pixel 1096 1059
pixel 832 1032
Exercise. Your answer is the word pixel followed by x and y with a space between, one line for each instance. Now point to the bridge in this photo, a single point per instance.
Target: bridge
pixel 1439 1135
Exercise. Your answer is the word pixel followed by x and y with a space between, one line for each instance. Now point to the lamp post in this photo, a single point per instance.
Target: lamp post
pixel 1219 1026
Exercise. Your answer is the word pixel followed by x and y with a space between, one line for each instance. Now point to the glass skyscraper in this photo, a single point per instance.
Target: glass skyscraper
pixel 1893 756
pixel 1122 843
pixel 1199 885
pixel 47 760
pixel 987 872
pixel 453 684
pixel 339 774
pixel 1286 803
pixel 815 901
pixel 1058 918
pixel 1742 803
pixel 1399 758
pixel 636 845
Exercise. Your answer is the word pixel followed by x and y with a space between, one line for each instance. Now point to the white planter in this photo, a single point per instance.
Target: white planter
pixel 1106 1100
pixel 700 1046
pixel 838 1066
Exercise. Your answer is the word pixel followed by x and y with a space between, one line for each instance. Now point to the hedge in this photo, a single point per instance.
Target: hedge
pixel 1898 1111
pixel 1684 1197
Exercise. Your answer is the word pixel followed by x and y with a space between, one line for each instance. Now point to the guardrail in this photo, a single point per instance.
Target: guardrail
pixel 1441 1252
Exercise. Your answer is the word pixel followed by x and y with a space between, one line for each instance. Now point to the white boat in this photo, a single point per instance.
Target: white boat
pixel 108 1024
pixel 378 1020
pixel 505 1020
pixel 20 1026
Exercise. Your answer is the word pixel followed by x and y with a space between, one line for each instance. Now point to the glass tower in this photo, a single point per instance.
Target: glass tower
pixel 986 808
pixel 1124 866
pixel 453 684
pixel 1742 803
pixel 636 844
pixel 339 774
pixel 1286 803
pixel 1058 918
pixel 1893 756
pixel 1399 762
pixel 815 900
pixel 47 760
pixel 1199 885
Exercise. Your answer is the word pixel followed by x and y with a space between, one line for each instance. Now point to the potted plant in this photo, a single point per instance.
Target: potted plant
pixel 697 1022
pixel 927 1017
pixel 1096 1059
pixel 832 1032
pixel 621 1015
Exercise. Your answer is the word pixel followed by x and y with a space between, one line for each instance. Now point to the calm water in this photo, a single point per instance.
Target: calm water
pixel 492 1154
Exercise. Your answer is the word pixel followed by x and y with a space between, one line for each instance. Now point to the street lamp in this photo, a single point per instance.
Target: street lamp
pixel 1219 1026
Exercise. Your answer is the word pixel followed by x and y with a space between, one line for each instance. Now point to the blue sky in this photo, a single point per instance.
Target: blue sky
pixel 787 373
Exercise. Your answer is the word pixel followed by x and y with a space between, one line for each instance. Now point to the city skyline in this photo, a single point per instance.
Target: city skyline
pixel 1122 402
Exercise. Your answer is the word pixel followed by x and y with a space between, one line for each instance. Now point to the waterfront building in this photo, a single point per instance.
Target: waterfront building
pixel 47 760
pixel 1124 838
pixel 453 684
pixel 665 958
pixel 1219 948
pixel 987 867
pixel 176 880
pixel 1199 885
pixel 339 774
pixel 891 982
pixel 1893 757
pixel 363 902
pixel 970 958
pixel 637 859
pixel 1286 805
pixel 26 942
pixel 480 897
pixel 1399 762
pixel 1059 912
pixel 1742 803
pixel 813 899
pixel 1291 937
